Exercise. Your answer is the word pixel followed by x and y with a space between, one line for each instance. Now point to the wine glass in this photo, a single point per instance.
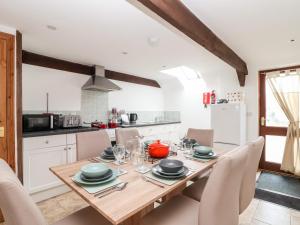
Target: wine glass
pixel 119 153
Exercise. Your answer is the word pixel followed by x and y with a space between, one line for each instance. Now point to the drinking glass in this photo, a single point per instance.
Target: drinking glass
pixel 188 148
pixel 140 159
pixel 119 153
pixel 131 146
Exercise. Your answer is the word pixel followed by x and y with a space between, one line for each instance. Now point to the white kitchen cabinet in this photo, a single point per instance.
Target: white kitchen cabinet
pixel 37 176
pixel 41 153
pixel 71 153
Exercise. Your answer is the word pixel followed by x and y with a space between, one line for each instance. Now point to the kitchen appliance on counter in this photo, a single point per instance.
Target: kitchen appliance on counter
pixel 133 117
pixel 40 122
pixel 69 121
pixel 124 119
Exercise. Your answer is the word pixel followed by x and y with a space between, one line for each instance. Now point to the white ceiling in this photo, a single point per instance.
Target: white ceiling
pixel 97 32
pixel 259 31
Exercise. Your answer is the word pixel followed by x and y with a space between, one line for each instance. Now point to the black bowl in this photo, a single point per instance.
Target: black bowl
pixel 109 151
pixel 170 165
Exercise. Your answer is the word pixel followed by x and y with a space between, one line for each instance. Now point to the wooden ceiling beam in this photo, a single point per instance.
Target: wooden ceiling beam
pixel 59 64
pixel 178 15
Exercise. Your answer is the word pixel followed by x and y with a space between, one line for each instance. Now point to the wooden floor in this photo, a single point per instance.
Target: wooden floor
pixel 258 213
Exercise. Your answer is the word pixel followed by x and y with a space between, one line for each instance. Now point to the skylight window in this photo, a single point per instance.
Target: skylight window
pixel 182 72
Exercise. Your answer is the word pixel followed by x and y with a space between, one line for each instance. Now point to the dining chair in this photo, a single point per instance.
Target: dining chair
pixel 202 136
pixel 91 144
pixel 19 209
pixel 248 184
pixel 220 199
pixel 249 179
pixel 125 134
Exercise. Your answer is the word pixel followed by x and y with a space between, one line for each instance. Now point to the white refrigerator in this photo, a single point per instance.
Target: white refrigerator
pixel 229 123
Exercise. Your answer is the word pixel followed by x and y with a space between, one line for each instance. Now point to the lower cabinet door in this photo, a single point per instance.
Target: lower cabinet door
pixel 37 176
pixel 71 153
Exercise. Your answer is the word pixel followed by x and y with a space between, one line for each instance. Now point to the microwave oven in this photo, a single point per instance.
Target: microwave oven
pixel 40 122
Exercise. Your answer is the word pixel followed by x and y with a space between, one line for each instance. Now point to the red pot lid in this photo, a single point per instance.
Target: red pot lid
pixel 157 144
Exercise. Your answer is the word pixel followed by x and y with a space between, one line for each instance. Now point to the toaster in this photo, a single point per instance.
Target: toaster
pixel 71 121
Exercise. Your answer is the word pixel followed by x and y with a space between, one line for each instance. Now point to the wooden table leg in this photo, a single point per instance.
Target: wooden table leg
pixel 175 192
pixel 136 218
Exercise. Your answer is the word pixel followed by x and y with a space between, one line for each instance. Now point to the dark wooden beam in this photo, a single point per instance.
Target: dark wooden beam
pixel 19 105
pixel 178 15
pixel 53 63
pixel 130 78
pixel 279 69
pixel 241 77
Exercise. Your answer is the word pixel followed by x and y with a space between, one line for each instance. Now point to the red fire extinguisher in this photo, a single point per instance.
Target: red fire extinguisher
pixel 213 97
pixel 206 99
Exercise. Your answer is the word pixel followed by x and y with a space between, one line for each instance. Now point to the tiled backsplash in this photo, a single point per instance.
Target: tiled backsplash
pixel 94 106
pixel 156 116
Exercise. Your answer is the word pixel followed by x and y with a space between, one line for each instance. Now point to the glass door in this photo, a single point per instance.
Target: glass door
pixel 273 126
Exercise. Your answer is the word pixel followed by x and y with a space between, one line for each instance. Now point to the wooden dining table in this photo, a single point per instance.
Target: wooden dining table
pixel 137 199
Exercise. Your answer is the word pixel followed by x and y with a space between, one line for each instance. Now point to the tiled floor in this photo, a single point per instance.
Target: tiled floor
pixel 258 213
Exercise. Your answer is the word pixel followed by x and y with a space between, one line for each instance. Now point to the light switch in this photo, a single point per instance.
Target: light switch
pixel 1 131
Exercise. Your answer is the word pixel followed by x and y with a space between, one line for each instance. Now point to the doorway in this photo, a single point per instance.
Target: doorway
pixel 273 124
pixel 7 124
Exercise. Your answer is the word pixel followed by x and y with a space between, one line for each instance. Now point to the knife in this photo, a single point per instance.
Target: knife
pixel 105 190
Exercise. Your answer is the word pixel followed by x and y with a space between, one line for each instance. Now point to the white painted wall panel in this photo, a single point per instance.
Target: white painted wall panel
pixel 64 89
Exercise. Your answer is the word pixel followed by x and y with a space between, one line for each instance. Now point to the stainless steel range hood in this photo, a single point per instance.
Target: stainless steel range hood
pixel 99 83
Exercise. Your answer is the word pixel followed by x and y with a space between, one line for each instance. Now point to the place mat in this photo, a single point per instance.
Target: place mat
pixel 165 181
pixel 197 159
pixel 95 188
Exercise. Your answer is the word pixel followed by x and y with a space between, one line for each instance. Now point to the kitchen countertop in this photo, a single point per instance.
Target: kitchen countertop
pixel 59 131
pixel 146 124
pixel 87 129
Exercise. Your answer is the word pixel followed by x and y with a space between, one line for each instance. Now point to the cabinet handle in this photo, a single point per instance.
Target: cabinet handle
pixel 47 142
pixel 69 148
pixel 65 149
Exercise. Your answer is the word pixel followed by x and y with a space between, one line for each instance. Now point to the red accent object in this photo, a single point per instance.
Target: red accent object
pixel 213 97
pixel 99 125
pixel 112 125
pixel 158 150
pixel 206 98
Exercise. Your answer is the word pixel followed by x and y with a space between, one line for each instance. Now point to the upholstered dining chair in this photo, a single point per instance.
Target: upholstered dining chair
pixel 91 144
pixel 125 134
pixel 220 199
pixel 19 209
pixel 249 179
pixel 247 190
pixel 202 136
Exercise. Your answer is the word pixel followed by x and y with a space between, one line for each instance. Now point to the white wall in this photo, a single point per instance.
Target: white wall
pixel 134 97
pixel 64 89
pixel 6 29
pixel 187 97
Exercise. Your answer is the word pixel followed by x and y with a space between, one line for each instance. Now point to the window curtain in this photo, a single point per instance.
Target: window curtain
pixel 285 86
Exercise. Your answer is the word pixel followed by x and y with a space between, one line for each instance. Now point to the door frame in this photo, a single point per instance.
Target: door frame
pixel 10 99
pixel 264 130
